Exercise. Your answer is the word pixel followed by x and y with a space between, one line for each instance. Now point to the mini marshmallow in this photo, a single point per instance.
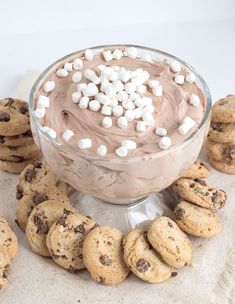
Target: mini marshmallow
pixel 141 126
pixel 117 111
pixel 122 122
pixel 141 89
pixel 157 91
pixel 175 66
pixel 62 73
pixel 179 79
pixel 148 118
pixel 138 113
pixel 49 86
pixel 147 57
pixel 147 100
pixel 117 54
pixel 84 101
pixel 40 112
pixel 113 102
pixel 134 96
pixel 130 115
pixel 101 67
pixel 68 66
pixel 139 103
pixel 145 76
pixel 50 132
pixel 128 104
pixel 104 84
pixel 165 143
pixel 107 122
pixel 68 134
pixel 76 97
pixel 187 124
pixel 153 83
pixel 113 76
pixel 77 77
pixel 85 143
pixel 107 55
pixel 149 109
pixel 102 150
pixel 107 71
pixel 106 110
pixel 95 79
pixel 110 91
pixel 121 152
pixel 89 74
pixel 130 87
pixel 94 105
pixel 190 78
pixel 43 102
pixel 194 100
pixel 122 95
pixel 124 75
pixel 90 90
pixel 89 54
pixel 77 64
pixel 131 52
pixel 103 99
pixel 81 86
pixel 118 85
pixel 116 68
pixel 161 131
pixel 129 144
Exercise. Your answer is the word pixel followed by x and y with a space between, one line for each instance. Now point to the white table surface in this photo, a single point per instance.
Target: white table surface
pixel 32 35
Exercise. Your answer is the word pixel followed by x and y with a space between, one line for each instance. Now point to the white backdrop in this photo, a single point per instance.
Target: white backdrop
pixel 35 33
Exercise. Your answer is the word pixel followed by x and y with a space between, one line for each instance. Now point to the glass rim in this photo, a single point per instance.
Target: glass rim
pixel 39 127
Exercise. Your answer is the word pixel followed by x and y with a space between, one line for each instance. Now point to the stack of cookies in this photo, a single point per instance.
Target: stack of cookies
pixel 220 144
pixel 8 250
pixel 17 147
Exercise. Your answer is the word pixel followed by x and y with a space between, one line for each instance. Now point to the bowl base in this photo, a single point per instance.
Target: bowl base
pixel 125 217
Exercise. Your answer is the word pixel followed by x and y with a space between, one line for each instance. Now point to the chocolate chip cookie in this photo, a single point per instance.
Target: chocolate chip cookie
pixel 198 169
pixel 40 220
pixel 222 132
pixel 221 152
pixel 32 198
pixel 16 167
pixel 196 220
pixel 8 239
pixel 14 117
pixel 222 166
pixel 142 260
pixel 170 242
pixel 103 255
pixel 4 268
pixel 65 240
pixel 17 140
pixel 20 153
pixel 224 110
pixel 200 193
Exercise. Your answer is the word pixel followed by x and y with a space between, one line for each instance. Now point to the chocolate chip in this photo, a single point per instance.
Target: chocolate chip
pixel 19 192
pixel 171 238
pixel 174 274
pixel 62 221
pixel 101 280
pixel 39 198
pixel 142 265
pixel 23 108
pixel 6 271
pixel 2 139
pixel 71 269
pixel 105 260
pixel 192 185
pixel 179 213
pixel 67 212
pixel 169 224
pixel 42 225
pixel 80 228
pixel 4 117
pixel 200 181
pixel 10 102
pixel 30 175
pixel 38 165
pixel 229 153
pixel 80 256
pixel 28 133
pixel 216 126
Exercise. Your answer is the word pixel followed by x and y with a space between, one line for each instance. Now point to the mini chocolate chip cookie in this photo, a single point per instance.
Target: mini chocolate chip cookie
pixel 142 260
pixel 40 220
pixel 8 239
pixel 4 268
pixel 224 110
pixel 222 166
pixel 65 240
pixel 32 198
pixel 17 167
pixel 103 255
pixel 200 193
pixel 170 242
pixel 196 220
pixel 17 140
pixel 198 169
pixel 222 132
pixel 36 175
pixel 14 117
pixel 221 152
pixel 20 153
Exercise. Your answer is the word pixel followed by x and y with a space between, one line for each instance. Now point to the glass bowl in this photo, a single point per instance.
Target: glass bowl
pixel 116 180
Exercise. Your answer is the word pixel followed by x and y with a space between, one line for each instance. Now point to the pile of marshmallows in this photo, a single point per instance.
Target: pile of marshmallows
pixel 120 94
